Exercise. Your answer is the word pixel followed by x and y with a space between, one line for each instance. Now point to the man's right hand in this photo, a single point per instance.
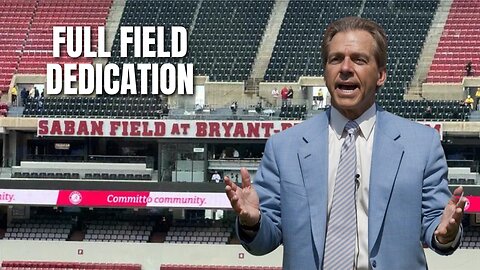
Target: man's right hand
pixel 244 200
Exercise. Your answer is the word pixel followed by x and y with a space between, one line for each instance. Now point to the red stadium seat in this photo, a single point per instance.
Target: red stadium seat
pixel 459 43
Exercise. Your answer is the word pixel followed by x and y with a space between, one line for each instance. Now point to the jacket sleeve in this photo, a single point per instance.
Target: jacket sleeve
pixel 267 185
pixel 435 194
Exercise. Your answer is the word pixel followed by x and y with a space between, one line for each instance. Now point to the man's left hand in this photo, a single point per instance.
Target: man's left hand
pixel 452 218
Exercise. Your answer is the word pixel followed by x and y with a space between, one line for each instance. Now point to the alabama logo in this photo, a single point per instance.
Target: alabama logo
pixel 75 197
pixel 467 204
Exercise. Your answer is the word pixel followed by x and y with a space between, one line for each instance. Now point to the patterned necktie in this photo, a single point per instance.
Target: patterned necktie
pixel 342 225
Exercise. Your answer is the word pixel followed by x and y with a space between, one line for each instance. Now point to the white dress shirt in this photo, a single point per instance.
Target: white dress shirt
pixel 364 146
pixel 364 149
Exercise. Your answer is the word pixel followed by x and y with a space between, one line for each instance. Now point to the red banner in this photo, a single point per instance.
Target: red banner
pixel 109 198
pixel 169 128
pixel 103 198
pixel 161 128
pixel 114 198
pixel 473 204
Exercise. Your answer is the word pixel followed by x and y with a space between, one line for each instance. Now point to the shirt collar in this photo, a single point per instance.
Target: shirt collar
pixel 366 121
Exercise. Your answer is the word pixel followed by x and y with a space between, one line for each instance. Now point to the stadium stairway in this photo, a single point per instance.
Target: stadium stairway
pixel 428 52
pixel 267 44
pixel 16 111
pixel 475 116
pixel 77 236
pixel 158 237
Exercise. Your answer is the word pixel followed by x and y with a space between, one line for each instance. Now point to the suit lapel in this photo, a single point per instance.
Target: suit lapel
pixel 313 158
pixel 386 158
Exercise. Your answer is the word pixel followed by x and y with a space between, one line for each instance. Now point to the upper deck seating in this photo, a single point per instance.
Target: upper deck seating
pixel 15 17
pixel 459 44
pixel 38 47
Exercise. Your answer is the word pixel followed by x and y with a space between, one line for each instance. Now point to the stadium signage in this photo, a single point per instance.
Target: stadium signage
pixel 435 125
pixel 116 198
pixel 108 198
pixel 169 128
pixel 161 128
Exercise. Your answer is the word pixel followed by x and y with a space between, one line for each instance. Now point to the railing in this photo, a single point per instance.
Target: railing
pixel 265 115
pixel 53 158
pixel 122 159
pixel 233 164
pixel 92 158
pixel 474 165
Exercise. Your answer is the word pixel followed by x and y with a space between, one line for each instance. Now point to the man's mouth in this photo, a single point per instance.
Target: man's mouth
pixel 346 87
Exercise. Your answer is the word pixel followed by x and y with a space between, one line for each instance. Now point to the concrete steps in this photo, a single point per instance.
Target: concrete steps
pixel 428 52
pixel 475 116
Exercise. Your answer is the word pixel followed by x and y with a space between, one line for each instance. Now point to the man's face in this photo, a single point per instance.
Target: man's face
pixel 351 72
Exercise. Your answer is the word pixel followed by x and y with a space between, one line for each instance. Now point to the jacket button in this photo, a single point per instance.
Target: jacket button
pixel 374 263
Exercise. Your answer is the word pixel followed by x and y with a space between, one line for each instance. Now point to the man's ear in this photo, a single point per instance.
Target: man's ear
pixel 382 77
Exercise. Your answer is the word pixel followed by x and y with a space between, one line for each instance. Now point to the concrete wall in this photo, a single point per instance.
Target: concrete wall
pixel 471 81
pixel 151 255
pixel 441 91
pixel 449 91
pixel 221 95
pixel 265 88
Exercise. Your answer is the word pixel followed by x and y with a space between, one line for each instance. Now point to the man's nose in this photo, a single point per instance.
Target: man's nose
pixel 347 65
pixel 346 69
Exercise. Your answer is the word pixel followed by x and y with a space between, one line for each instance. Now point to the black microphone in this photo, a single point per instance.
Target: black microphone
pixel 357 180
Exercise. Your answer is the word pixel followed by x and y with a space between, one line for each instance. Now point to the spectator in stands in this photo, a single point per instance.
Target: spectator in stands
pixel 469 69
pixel 275 95
pixel 36 93
pixel 40 103
pixel 198 108
pixel 14 93
pixel 41 99
pixel 477 98
pixel 427 114
pixel 289 95
pixel 234 107
pixel 259 107
pixel 235 153
pixel 320 97
pixel 304 91
pixel 31 93
pixel 284 94
pixel 223 155
pixel 24 96
pixel 469 102
pixel 216 177
pixel 165 110
pixel 370 212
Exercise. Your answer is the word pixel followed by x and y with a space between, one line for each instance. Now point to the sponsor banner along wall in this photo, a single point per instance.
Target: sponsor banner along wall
pixel 473 204
pixel 161 128
pixel 28 196
pixel 105 198
pixel 168 128
pixel 138 199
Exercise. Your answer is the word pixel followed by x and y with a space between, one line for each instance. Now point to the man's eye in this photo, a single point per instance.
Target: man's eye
pixel 360 61
pixel 334 60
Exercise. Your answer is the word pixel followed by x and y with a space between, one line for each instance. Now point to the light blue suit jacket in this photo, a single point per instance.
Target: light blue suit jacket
pixel 408 192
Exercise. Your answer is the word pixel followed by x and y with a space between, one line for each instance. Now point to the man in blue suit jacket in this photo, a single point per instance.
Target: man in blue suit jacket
pixel 402 200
